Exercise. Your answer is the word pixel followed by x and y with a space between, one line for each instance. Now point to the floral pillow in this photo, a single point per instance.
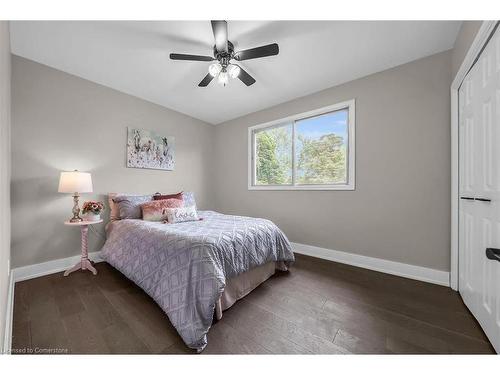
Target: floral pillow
pixel 157 210
pixel 181 214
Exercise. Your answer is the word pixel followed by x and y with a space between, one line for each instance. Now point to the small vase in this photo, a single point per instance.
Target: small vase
pixel 91 217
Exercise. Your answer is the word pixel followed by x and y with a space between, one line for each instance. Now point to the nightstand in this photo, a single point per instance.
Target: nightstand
pixel 84 263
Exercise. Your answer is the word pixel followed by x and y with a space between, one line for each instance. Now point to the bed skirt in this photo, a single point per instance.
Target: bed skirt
pixel 239 286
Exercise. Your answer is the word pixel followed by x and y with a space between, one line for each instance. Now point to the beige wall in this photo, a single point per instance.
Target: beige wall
pixel 400 209
pixel 61 122
pixel 5 70
pixel 465 37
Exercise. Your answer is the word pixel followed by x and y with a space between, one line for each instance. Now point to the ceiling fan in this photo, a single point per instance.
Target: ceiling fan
pixel 224 52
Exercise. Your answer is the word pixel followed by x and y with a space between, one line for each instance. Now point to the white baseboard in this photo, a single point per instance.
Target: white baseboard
pixel 52 266
pixel 429 275
pixel 376 264
pixel 9 315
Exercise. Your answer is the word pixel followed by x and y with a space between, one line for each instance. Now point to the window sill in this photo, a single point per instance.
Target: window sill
pixel 292 188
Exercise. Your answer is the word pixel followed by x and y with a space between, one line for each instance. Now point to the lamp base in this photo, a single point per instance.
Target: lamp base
pixel 76 210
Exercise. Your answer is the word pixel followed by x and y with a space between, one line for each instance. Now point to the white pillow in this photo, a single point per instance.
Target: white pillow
pixel 181 214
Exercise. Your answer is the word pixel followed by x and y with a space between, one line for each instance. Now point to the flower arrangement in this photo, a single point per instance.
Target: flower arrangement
pixel 92 207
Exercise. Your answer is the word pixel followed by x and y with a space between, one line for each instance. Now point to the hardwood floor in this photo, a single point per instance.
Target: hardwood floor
pixel 318 307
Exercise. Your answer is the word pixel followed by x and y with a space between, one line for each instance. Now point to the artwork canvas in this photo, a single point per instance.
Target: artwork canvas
pixel 147 149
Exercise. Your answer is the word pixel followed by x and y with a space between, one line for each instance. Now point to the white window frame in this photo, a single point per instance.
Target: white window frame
pixel 351 161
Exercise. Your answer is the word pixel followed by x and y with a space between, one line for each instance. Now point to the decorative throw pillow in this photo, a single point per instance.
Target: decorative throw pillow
pixel 114 214
pixel 188 197
pixel 129 206
pixel 159 197
pixel 181 214
pixel 157 210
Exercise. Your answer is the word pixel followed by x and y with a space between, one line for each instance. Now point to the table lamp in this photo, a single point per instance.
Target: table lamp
pixel 75 182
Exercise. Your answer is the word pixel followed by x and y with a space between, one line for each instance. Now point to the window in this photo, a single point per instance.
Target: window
pixel 309 151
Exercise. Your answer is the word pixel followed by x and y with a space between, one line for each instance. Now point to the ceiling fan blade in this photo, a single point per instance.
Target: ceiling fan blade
pixel 205 81
pixel 254 53
pixel 246 78
pixel 181 56
pixel 220 35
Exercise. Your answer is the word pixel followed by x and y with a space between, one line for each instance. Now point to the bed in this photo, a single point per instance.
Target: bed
pixel 194 270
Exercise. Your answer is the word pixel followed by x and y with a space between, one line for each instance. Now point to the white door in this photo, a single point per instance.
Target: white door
pixel 479 191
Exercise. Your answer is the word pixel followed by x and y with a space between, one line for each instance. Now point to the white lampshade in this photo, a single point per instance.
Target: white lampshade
pixel 223 78
pixel 75 182
pixel 214 69
pixel 233 70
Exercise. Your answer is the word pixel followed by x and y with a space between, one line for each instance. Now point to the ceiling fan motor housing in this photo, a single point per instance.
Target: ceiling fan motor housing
pixel 224 57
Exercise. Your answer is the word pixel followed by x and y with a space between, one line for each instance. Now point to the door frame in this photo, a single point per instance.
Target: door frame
pixel 473 53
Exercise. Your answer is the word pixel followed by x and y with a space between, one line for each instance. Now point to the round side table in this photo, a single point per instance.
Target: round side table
pixel 84 263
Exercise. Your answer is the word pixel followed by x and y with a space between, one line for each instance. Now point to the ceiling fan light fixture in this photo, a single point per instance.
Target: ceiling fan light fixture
pixel 233 70
pixel 223 52
pixel 214 69
pixel 223 78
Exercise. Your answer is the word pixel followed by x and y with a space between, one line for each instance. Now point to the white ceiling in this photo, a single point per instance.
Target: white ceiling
pixel 133 57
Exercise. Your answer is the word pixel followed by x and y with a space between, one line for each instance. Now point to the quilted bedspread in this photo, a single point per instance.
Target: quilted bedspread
pixel 184 266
